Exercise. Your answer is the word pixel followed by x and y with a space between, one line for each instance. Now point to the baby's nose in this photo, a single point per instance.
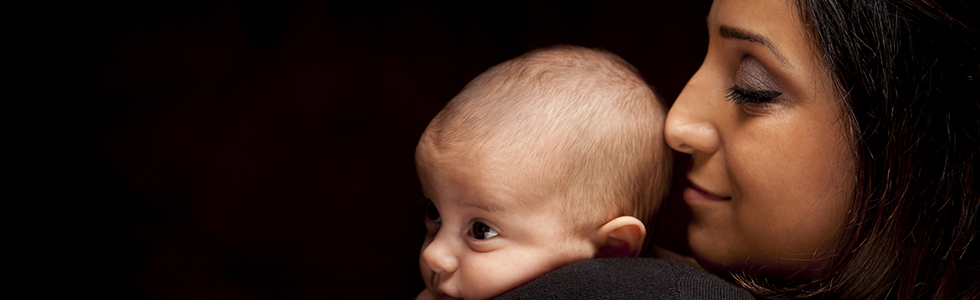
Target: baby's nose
pixel 439 255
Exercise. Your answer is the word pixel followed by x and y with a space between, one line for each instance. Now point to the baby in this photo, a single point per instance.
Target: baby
pixel 543 160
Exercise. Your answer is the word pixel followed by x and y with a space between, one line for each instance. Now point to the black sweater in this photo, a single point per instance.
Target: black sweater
pixel 627 278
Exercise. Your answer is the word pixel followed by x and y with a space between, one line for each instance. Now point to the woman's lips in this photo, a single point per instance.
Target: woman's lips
pixel 694 193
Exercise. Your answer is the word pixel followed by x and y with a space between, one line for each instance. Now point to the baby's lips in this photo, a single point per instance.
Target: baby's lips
pixel 447 297
pixel 434 289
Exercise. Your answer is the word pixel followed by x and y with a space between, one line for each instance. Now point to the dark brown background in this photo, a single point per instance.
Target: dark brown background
pixel 249 150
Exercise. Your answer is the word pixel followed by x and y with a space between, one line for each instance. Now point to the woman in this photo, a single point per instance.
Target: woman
pixel 833 148
pixel 833 151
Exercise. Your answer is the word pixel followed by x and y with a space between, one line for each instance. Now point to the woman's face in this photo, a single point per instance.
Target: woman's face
pixel 772 170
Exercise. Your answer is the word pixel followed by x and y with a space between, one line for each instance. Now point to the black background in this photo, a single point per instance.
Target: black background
pixel 252 150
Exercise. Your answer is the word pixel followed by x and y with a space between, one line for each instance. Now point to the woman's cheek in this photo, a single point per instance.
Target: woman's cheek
pixel 790 203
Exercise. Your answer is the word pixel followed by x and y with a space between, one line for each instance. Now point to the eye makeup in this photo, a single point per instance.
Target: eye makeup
pixel 754 84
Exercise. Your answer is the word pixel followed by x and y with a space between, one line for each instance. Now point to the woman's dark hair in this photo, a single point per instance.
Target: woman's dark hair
pixel 908 72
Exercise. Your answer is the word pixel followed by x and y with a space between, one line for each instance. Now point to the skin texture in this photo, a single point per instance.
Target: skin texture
pixel 769 180
pixel 469 186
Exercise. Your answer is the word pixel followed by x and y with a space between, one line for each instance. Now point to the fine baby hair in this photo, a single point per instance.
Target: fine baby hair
pixel 543 160
pixel 600 122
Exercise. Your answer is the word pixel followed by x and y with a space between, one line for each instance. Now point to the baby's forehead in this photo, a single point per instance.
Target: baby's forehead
pixel 533 164
pixel 501 149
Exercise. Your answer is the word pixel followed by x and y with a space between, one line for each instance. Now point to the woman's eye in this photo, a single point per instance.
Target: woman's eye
pixel 740 95
pixel 754 84
pixel 431 212
pixel 482 231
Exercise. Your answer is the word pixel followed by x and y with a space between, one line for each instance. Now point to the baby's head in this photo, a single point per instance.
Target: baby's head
pixel 543 160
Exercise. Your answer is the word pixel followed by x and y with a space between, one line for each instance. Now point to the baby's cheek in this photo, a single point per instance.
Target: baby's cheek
pixel 494 277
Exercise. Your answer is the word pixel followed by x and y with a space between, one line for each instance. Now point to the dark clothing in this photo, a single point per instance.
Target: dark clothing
pixel 627 278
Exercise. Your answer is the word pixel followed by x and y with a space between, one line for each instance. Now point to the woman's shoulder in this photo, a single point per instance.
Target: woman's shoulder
pixel 628 278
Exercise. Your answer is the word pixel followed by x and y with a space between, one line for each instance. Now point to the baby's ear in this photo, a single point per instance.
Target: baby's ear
pixel 623 236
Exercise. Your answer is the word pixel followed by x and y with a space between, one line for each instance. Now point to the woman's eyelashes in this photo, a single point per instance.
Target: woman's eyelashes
pixel 431 212
pixel 481 231
pixel 740 95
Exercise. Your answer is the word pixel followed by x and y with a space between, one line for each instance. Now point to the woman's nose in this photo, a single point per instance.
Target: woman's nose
pixel 439 255
pixel 689 126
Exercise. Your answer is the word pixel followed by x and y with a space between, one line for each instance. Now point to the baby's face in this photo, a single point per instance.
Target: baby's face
pixel 484 233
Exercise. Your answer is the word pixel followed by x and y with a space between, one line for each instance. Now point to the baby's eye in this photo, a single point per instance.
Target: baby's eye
pixel 482 231
pixel 431 212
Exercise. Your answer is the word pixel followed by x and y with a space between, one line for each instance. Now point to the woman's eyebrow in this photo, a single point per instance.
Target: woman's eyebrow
pixel 729 32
